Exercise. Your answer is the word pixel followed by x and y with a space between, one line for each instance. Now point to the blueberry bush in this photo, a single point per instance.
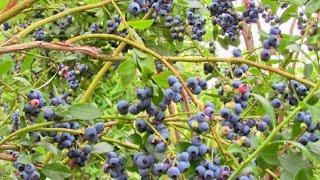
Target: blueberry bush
pixel 160 89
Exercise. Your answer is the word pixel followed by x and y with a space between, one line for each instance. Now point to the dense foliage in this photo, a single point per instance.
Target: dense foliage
pixel 159 89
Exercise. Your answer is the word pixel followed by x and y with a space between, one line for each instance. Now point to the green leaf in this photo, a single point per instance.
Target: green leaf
pixel 134 139
pixel 269 154
pixel 140 24
pixel 5 67
pixel 102 147
pixel 288 13
pixel 315 98
pixel 25 159
pixel 27 62
pixel 272 4
pixel 267 108
pixel 84 112
pixel 56 171
pixel 127 71
pixel 49 147
pixel 307 70
pixel 293 163
pixel 161 78
pixel 312 6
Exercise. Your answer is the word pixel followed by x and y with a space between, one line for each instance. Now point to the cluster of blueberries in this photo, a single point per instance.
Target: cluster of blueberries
pixel 200 121
pixel 251 14
pixel 79 157
pixel 113 25
pixel 224 15
pixel 291 92
pixel 239 70
pixel 271 43
pixel 177 27
pixel 39 35
pixel 197 22
pixel 36 102
pixel 64 139
pixel 161 8
pixel 302 23
pixel 196 85
pixel 71 74
pixel 95 28
pixel 197 149
pixel 48 112
pixel 268 16
pixel 158 141
pixel 92 133
pixel 115 166
pixel 15 121
pixel 27 171
pixel 159 66
pixel 64 23
pixel 310 127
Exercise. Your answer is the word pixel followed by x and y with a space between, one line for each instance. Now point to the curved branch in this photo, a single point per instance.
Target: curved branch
pixel 15 10
pixel 87 50
pixel 240 61
pixel 145 50
pixel 40 23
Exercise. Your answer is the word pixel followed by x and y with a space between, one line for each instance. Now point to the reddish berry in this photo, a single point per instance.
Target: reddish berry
pixel 243 88
pixel 35 102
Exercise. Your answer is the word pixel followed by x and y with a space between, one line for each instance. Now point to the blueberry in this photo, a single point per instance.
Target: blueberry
pixel 134 8
pixel 176 87
pixel 114 162
pixel 141 125
pixel 123 107
pixel 192 83
pixel 265 55
pixel 236 52
pixel 143 162
pixel 203 149
pixel 200 170
pixel 236 83
pixel 177 97
pixel 238 108
pixel 86 149
pixel 243 178
pixel 151 110
pixel 91 133
pixel 161 147
pixel 262 126
pixel 203 127
pixel 196 140
pixel 183 166
pixel 66 144
pixel 238 72
pixel 313 138
pixel 203 84
pixel 303 140
pixel 197 90
pixel 141 94
pixel 65 136
pixel 184 156
pixel 209 174
pixel 276 103
pixel 99 127
pixel 301 90
pixel 159 168
pixel 35 175
pixel 173 172
pixel 29 168
pixel 172 80
pixel 225 113
pixel 192 150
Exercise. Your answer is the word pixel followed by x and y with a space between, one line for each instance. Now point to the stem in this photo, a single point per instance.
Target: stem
pixel 273 133
pixel 15 10
pixel 126 144
pixel 25 130
pixel 52 18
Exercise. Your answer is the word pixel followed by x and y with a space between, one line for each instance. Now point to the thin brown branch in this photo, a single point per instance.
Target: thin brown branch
pixel 15 9
pixel 87 50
